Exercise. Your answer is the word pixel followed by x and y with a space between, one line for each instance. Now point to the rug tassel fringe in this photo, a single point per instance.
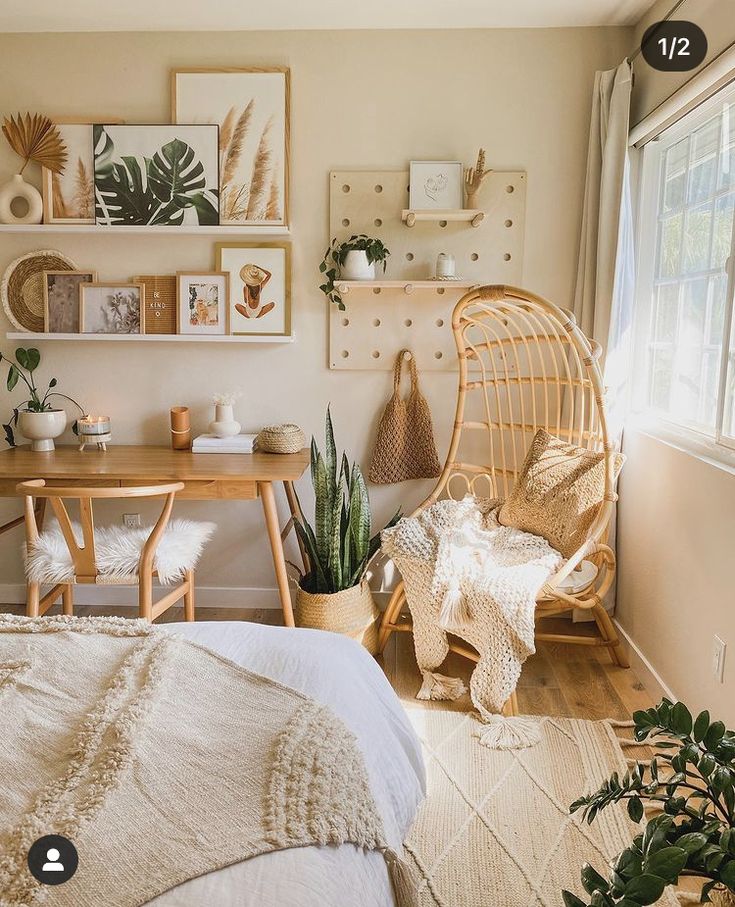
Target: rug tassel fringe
pixel 455 611
pixel 403 880
pixel 514 733
pixel 438 686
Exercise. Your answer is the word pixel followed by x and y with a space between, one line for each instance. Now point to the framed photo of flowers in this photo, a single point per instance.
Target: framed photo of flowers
pixel 251 108
pixel 260 287
pixel 111 308
pixel 202 302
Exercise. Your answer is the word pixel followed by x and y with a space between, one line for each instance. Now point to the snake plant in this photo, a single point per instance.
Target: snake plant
pixel 338 546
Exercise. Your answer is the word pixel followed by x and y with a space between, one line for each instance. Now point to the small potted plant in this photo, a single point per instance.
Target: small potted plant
pixel 36 418
pixel 353 259
pixel 691 779
pixel 333 593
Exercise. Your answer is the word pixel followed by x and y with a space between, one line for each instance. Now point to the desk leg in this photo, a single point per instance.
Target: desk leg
pixel 268 499
pixel 293 506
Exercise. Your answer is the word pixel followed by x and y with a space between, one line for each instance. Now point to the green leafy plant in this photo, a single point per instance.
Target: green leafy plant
pixel 158 192
pixel 336 255
pixel 690 778
pixel 26 363
pixel 338 546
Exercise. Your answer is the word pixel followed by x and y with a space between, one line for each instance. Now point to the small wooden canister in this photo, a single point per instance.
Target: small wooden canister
pixel 180 428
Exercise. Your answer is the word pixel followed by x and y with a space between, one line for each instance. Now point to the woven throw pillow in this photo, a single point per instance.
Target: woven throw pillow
pixel 558 492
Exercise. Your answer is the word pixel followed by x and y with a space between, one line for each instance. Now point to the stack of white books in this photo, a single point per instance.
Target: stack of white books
pixel 212 444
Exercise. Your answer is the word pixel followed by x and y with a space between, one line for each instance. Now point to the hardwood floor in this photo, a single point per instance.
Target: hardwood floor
pixel 563 680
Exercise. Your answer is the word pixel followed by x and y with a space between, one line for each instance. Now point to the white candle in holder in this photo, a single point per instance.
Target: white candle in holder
pixel 94 430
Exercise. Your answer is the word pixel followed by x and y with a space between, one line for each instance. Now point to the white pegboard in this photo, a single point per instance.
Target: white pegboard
pixel 380 321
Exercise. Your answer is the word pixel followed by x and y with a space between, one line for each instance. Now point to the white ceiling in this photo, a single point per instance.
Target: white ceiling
pixel 227 15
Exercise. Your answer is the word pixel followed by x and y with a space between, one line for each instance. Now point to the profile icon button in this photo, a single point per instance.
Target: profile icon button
pixel 53 859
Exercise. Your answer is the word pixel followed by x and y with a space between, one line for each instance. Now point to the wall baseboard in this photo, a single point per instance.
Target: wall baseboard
pixel 648 675
pixel 206 596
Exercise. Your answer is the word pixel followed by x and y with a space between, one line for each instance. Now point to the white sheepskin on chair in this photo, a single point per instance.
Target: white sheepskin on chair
pixel 118 551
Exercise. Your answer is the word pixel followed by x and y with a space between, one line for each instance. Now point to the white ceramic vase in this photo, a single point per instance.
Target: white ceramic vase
pixel 42 428
pixel 17 188
pixel 356 266
pixel 224 424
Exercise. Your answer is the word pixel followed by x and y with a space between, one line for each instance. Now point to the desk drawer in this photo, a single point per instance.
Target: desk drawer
pixel 211 490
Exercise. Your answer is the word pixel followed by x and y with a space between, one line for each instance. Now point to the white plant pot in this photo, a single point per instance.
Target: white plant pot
pixel 224 425
pixel 42 428
pixel 356 267
pixel 16 187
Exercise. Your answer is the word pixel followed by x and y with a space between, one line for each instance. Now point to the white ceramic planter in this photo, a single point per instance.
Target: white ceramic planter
pixel 42 428
pixel 356 267
pixel 16 187
pixel 224 424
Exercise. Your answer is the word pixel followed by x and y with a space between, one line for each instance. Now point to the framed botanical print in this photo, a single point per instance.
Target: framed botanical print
pixel 61 295
pixel 251 108
pixel 202 302
pixel 260 286
pixel 156 175
pixel 111 308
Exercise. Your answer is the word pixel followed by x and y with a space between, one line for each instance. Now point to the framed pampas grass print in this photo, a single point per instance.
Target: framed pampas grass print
pixel 252 109
pixel 260 287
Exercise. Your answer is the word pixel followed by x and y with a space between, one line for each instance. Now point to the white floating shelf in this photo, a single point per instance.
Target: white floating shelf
pixel 408 286
pixel 411 216
pixel 61 229
pixel 154 338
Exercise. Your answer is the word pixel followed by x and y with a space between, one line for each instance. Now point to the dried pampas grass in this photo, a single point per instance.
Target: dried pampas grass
pixel 35 138
pixel 262 168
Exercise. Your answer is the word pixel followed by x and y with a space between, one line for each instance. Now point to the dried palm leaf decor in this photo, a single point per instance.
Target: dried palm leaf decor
pixel 35 138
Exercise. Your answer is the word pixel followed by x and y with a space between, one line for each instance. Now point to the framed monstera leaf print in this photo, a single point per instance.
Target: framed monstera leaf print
pixel 156 175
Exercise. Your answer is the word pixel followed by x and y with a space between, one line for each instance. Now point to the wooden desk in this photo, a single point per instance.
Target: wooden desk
pixel 206 477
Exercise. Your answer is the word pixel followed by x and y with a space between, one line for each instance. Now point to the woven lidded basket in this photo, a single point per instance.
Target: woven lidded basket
pixel 287 438
pixel 352 612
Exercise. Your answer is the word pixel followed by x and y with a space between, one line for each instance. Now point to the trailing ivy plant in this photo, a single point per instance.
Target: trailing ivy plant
pixel 691 779
pixel 336 255
pixel 26 363
pixel 339 545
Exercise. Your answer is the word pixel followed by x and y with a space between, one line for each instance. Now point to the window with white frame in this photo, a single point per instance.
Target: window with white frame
pixel 685 339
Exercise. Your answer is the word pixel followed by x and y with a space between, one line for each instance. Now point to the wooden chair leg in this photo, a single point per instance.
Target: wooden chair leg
pixel 67 600
pixel 390 614
pixel 189 596
pixel 33 599
pixel 610 635
pixel 145 596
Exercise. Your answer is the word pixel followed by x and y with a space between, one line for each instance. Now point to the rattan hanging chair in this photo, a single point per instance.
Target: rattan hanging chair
pixel 525 365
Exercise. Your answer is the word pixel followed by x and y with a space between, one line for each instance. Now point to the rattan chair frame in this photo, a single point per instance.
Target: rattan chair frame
pixel 533 368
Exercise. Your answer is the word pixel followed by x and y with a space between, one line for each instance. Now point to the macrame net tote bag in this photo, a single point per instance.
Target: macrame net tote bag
pixel 405 448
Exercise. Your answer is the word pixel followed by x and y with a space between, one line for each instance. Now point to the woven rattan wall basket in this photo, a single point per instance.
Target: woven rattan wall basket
pixel 22 287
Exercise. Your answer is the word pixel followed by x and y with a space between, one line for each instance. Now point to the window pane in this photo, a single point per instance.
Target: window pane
pixel 675 175
pixel 727 153
pixel 722 235
pixel 669 246
pixel 667 313
pixel 703 166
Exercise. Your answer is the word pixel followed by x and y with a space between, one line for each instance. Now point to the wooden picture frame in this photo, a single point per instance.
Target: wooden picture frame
pixel 248 115
pixel 183 318
pixel 269 314
pixel 86 291
pixel 51 324
pixel 426 192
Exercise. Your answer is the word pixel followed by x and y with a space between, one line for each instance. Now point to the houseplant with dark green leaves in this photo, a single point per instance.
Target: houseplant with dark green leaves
pixel 353 259
pixel 36 417
pixel 691 778
pixel 333 592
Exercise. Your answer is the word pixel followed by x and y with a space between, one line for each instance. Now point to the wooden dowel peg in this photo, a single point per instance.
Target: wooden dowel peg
pixel 410 219
pixel 343 288
pixel 478 219
pixel 408 288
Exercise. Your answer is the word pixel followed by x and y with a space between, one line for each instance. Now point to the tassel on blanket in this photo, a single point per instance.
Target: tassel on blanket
pixel 438 686
pixel 405 886
pixel 455 609
pixel 501 733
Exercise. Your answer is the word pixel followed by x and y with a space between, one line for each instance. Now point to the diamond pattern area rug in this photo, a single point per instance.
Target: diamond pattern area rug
pixel 495 829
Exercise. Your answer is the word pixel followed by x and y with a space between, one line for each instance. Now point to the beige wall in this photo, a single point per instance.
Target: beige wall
pixel 362 100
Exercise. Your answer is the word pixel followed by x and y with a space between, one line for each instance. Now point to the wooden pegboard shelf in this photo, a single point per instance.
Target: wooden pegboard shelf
pixel 412 216
pixel 408 286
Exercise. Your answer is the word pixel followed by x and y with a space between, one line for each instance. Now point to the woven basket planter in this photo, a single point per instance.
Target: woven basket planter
pixel 352 612
pixel 722 898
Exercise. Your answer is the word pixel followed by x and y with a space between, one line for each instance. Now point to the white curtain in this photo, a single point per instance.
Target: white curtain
pixel 603 299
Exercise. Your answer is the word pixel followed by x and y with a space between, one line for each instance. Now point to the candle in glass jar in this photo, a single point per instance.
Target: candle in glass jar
pixel 94 425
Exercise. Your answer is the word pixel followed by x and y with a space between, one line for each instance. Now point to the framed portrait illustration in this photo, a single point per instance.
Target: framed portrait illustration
pixel 202 302
pixel 61 299
pixel 251 108
pixel 260 286
pixel 436 185
pixel 156 175
pixel 111 308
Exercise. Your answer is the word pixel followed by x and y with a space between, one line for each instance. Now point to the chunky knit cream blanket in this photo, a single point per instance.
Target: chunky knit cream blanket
pixel 162 761
pixel 465 572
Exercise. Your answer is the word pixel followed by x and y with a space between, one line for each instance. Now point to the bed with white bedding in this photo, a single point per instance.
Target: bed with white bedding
pixel 341 674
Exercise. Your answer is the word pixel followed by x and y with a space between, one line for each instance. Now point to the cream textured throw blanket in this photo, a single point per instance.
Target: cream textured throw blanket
pixel 162 761
pixel 465 572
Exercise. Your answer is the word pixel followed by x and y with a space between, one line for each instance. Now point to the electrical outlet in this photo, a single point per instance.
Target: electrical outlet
pixel 131 520
pixel 719 648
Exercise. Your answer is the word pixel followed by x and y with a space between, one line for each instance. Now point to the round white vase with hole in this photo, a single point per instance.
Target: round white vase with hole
pixel 357 267
pixel 16 189
pixel 41 428
pixel 224 424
